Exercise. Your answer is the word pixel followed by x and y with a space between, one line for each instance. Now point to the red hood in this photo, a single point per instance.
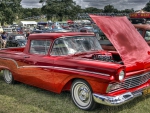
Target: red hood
pixel 130 45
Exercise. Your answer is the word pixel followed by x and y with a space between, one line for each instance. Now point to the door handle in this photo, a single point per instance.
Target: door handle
pixel 26 56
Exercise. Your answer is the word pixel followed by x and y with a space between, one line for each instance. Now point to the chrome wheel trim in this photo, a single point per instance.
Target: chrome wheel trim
pixel 82 95
pixel 7 76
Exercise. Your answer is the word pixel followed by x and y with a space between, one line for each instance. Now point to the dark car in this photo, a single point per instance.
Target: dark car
pixel 86 29
pixel 144 30
pixel 105 43
pixel 41 31
pixel 16 40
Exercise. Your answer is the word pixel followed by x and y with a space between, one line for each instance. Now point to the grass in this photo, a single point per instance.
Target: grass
pixel 21 98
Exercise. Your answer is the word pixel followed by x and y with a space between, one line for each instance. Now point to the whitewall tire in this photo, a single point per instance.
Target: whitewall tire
pixel 8 77
pixel 81 94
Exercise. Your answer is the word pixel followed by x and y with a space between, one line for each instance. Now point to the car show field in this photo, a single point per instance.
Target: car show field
pixel 74 56
pixel 76 62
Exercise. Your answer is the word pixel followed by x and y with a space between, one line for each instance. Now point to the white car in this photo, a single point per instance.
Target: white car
pixel 8 30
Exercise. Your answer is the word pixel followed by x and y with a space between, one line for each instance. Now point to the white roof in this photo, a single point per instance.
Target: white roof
pixel 28 22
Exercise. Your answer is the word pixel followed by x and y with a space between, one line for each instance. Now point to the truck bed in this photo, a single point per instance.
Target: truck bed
pixel 13 50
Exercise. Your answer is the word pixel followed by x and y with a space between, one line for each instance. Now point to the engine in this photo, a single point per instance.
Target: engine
pixel 108 57
pixel 103 57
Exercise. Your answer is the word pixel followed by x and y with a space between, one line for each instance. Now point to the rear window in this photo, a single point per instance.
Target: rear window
pixel 40 47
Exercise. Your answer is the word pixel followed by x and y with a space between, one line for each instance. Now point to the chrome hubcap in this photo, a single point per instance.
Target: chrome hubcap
pixel 83 94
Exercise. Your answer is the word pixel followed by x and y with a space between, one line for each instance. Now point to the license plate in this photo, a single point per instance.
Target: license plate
pixel 146 91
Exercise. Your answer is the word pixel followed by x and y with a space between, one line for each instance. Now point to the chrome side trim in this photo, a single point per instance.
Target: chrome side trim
pixel 59 68
pixel 81 71
pixel 12 60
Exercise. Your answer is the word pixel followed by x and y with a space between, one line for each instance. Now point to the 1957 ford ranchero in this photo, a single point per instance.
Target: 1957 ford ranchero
pixel 76 62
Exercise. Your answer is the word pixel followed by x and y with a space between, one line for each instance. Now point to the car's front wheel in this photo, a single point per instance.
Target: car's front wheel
pixel 8 77
pixel 81 94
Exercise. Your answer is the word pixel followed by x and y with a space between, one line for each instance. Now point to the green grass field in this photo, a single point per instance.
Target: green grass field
pixel 21 98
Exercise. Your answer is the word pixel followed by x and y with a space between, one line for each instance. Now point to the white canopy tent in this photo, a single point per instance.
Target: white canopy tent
pixel 28 23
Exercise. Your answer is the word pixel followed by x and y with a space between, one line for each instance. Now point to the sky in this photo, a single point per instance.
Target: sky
pixel 118 4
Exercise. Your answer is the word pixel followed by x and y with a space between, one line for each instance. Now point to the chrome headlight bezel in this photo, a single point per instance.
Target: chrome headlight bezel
pixel 121 75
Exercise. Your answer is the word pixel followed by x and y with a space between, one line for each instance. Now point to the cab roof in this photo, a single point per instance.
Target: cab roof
pixel 55 35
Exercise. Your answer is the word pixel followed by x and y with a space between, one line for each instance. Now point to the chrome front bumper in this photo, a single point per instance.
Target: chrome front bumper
pixel 116 100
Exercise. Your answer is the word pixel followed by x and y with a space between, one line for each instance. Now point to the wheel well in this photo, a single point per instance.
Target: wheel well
pixel 67 86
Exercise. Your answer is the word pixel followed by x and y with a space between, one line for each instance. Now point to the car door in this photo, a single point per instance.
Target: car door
pixel 37 69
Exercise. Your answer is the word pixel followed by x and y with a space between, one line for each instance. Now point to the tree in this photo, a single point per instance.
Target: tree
pixel 92 10
pixel 59 8
pixel 127 10
pixel 109 9
pixel 147 7
pixel 9 11
pixel 74 11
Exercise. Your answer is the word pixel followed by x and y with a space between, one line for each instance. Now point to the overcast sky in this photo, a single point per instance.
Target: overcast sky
pixel 118 4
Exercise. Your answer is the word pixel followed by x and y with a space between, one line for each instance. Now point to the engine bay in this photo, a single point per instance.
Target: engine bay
pixel 108 57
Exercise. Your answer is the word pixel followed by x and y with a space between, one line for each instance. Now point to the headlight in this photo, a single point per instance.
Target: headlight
pixel 121 75
pixel 117 86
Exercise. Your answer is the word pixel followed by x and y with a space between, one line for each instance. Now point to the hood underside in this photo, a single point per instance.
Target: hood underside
pixel 130 45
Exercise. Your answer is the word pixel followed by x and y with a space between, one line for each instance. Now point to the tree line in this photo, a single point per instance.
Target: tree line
pixel 11 10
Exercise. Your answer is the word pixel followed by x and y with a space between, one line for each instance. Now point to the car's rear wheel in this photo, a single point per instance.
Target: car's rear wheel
pixel 8 77
pixel 81 94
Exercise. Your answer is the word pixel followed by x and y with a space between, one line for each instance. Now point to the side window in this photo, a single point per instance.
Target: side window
pixel 59 48
pixel 39 47
pixel 147 35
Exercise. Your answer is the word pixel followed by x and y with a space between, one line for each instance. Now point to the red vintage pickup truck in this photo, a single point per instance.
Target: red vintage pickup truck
pixel 76 62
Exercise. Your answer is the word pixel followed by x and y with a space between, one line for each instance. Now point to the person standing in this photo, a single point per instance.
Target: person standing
pixel 4 38
pixel 27 34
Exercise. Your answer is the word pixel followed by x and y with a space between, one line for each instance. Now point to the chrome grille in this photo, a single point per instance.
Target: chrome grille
pixel 135 81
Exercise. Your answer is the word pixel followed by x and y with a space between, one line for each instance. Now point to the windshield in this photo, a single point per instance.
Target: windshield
pixel 74 45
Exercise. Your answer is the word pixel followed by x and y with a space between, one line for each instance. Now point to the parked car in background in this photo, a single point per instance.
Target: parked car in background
pixel 87 29
pixel 41 31
pixel 16 40
pixel 60 30
pixel 144 30
pixel 105 43
pixel 8 30
pixel 36 31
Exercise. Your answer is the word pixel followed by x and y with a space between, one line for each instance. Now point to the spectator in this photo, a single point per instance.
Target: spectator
pixel 27 34
pixel 4 38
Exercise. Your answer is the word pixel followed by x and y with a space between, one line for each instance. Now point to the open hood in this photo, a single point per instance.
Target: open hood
pixel 128 42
